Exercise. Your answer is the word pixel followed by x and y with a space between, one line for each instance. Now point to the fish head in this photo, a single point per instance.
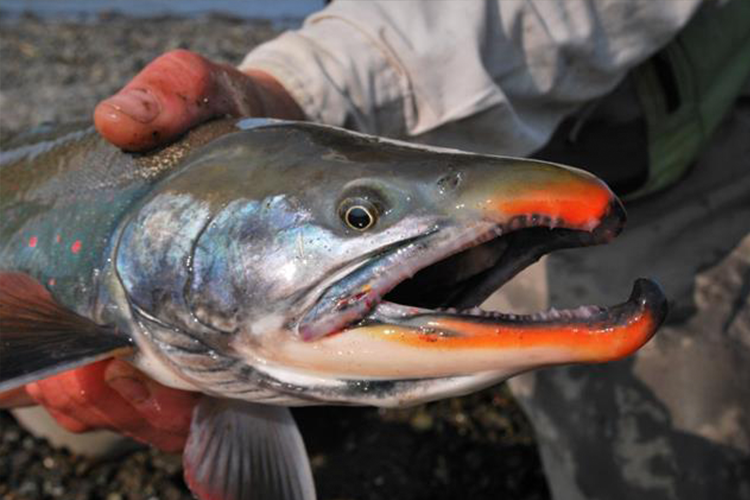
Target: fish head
pixel 339 267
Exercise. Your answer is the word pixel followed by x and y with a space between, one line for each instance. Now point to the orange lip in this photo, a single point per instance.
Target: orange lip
pixel 614 333
pixel 591 343
pixel 575 203
pixel 569 197
pixel 436 344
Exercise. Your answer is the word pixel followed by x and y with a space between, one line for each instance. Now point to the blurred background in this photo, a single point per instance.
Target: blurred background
pixel 58 58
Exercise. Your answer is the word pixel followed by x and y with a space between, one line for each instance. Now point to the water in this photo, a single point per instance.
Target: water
pixel 273 10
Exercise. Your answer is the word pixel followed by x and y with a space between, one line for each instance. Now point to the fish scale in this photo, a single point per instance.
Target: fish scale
pixel 84 229
pixel 79 189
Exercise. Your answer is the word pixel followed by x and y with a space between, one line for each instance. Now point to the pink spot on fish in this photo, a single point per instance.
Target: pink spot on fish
pixel 51 282
pixel 57 239
pixel 76 246
pixel 33 241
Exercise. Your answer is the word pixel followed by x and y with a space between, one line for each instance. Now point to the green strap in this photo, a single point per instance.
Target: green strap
pixel 688 87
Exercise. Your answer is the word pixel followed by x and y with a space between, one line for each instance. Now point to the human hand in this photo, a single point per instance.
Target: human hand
pixel 181 89
pixel 112 394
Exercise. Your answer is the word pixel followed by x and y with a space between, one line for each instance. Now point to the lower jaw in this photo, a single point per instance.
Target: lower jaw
pixel 416 343
pixel 397 355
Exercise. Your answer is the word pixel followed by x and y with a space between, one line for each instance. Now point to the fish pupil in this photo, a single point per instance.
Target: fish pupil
pixel 359 218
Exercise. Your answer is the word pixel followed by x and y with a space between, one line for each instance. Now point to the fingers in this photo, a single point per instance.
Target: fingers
pixel 165 408
pixel 16 398
pixel 66 397
pixel 70 423
pixel 134 405
pixel 181 89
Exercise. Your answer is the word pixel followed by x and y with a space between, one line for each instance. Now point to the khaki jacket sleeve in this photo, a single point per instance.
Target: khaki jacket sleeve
pixel 493 75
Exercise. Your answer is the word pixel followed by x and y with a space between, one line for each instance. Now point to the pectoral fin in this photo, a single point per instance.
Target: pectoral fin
pixel 243 451
pixel 40 338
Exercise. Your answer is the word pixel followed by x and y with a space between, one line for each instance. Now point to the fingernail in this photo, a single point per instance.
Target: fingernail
pixel 131 389
pixel 138 104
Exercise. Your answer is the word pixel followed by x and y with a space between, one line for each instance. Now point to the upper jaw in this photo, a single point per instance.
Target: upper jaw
pixel 526 240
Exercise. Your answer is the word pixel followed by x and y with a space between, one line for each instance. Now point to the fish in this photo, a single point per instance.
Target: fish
pixel 269 264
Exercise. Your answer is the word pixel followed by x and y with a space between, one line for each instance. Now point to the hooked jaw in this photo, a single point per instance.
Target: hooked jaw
pixel 402 344
pixel 377 323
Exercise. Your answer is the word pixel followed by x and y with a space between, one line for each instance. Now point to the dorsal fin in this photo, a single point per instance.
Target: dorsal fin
pixel 40 338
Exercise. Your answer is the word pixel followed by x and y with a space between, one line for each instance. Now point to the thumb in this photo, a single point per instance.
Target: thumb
pixel 15 398
pixel 173 93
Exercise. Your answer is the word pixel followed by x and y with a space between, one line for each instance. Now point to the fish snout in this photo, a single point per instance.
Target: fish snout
pixel 530 193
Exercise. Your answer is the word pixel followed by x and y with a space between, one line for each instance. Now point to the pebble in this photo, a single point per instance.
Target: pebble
pixel 421 421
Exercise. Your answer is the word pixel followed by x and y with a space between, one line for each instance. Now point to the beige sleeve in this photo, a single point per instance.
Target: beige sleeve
pixel 492 75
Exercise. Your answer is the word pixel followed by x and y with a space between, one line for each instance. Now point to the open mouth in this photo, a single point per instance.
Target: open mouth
pixel 433 284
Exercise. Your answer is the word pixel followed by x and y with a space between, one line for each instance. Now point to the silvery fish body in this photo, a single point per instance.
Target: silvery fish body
pixel 268 264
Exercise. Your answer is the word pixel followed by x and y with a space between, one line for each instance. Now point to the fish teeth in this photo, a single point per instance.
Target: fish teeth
pixel 524 221
pixel 552 314
pixel 579 313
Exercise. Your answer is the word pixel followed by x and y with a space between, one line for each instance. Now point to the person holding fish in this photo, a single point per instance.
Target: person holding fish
pixel 629 90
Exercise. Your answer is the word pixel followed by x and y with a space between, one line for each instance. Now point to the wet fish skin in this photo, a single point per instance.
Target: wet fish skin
pixel 63 192
pixel 226 259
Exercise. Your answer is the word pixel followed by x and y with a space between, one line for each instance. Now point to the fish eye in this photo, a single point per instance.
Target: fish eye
pixel 359 215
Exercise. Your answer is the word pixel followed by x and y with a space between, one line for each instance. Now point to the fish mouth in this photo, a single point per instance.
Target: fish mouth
pixel 462 280
pixel 424 293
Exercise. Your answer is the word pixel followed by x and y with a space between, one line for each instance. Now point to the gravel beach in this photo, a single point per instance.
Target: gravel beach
pixel 477 447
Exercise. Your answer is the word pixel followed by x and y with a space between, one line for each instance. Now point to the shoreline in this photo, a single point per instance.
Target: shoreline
pixel 279 11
